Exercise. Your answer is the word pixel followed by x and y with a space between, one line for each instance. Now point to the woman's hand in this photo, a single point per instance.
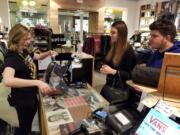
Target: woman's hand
pixel 52 53
pixel 105 69
pixel 44 87
pixel 42 56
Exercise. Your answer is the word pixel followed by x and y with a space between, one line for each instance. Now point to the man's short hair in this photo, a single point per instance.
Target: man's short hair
pixel 165 27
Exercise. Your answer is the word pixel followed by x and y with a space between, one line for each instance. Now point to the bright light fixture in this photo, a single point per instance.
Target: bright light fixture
pixel 109 11
pixel 25 3
pixel 32 3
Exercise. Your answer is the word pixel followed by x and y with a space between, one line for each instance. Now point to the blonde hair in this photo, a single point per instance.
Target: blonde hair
pixel 15 35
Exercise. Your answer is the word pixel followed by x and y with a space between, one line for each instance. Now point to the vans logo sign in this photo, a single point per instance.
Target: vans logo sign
pixel 162 127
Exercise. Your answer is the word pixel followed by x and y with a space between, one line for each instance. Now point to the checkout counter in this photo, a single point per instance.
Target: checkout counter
pixel 169 84
pixel 59 113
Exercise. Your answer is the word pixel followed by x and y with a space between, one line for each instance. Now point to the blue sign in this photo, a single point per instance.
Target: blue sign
pixel 157 124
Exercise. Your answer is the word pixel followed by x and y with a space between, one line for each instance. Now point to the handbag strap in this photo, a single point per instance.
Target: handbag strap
pixel 114 81
pixel 114 78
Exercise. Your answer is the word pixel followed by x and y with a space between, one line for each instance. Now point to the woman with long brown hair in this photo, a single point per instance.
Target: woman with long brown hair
pixel 119 61
pixel 20 75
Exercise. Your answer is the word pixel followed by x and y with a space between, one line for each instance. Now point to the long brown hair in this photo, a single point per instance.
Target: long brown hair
pixel 15 35
pixel 118 48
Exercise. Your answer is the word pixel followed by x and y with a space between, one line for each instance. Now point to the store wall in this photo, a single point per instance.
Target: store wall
pixel 130 8
pixel 4 13
pixel 139 4
pixel 12 18
pixel 94 6
pixel 129 16
pixel 93 22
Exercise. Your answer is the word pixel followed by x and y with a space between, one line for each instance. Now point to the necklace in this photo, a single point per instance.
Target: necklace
pixel 30 64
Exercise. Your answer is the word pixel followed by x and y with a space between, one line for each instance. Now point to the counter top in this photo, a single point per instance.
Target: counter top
pixel 141 88
pixel 70 107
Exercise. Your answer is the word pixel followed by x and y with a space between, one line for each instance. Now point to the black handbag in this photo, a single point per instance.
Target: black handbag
pixel 115 92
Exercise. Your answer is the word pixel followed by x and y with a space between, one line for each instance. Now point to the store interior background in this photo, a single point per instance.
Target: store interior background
pixel 56 13
pixel 130 9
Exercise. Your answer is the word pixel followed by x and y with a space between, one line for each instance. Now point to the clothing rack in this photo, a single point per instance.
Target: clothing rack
pixel 97 45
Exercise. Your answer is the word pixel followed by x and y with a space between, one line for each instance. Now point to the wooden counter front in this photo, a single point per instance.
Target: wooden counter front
pixel 156 96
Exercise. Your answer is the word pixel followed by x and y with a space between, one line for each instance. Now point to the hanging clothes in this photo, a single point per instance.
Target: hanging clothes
pixel 105 44
pixel 97 45
pixel 97 39
pixel 89 46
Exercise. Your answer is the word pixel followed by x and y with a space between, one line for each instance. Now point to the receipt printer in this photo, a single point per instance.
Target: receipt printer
pixel 121 122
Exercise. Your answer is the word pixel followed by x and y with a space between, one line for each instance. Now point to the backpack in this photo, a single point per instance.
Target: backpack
pixel 147 76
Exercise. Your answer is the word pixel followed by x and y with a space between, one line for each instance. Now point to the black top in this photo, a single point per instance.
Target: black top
pixel 124 69
pixel 26 95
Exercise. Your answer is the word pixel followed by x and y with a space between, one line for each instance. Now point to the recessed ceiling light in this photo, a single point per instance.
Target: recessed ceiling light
pixel 25 3
pixel 32 3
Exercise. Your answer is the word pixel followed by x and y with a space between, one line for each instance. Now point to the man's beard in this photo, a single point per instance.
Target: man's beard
pixel 163 44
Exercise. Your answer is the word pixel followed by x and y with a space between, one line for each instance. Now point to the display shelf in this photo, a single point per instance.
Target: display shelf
pixel 147 16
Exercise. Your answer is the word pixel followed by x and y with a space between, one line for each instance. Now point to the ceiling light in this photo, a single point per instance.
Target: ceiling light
pixel 25 3
pixel 109 11
pixel 32 3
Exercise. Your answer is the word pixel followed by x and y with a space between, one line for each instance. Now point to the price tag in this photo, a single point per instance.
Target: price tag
pixel 164 108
